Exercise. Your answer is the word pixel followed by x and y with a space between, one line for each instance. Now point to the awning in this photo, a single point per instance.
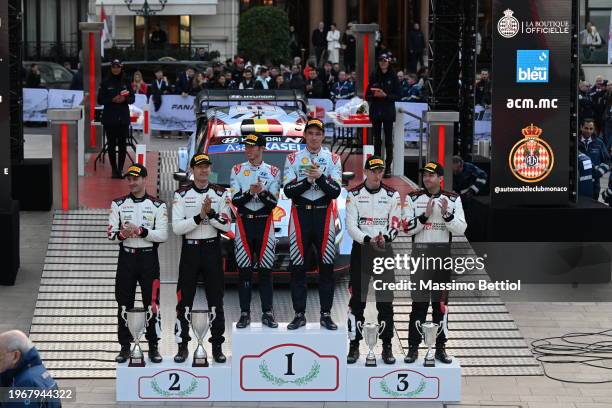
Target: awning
pixel 173 7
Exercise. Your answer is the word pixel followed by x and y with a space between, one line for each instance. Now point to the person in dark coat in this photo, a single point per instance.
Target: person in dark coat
pixel 349 43
pixel 21 367
pixel 33 77
pixel 295 79
pixel 315 88
pixel 382 93
pixel 319 41
pixel 416 47
pixel 158 87
pixel 116 95
pixel 184 82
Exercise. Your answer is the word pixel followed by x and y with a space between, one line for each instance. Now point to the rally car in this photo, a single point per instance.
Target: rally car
pixel 223 118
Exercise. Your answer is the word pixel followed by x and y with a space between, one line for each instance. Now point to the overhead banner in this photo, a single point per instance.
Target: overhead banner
pixel 531 102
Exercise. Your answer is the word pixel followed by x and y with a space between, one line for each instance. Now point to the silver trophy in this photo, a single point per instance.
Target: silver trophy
pixel 429 331
pixel 370 333
pixel 200 321
pixel 136 320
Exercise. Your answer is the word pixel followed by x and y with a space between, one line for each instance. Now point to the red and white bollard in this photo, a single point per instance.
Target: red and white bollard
pixel 141 154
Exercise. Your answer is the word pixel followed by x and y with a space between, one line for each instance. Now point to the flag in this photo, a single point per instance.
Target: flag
pixel 610 40
pixel 107 31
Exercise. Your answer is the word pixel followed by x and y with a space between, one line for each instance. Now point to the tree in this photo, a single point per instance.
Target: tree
pixel 263 35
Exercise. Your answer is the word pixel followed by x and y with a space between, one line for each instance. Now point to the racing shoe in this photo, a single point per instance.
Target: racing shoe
pixel 245 320
pixel 442 356
pixel 124 354
pixel 387 354
pixel 217 353
pixel 353 354
pixel 327 322
pixel 298 321
pixel 154 355
pixel 183 353
pixel 267 318
pixel 413 354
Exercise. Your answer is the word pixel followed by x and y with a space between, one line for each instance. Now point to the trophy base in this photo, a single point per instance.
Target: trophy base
pixel 370 362
pixel 429 362
pixel 200 362
pixel 136 362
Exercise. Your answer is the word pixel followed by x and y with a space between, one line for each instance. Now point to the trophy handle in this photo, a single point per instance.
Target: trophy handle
pixel 360 326
pixel 441 328
pixel 382 327
pixel 417 324
pixel 148 315
pixel 124 315
pixel 212 313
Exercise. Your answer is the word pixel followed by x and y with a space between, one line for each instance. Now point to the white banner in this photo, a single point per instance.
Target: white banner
pixel 176 113
pixel 35 103
pixel 482 123
pixel 411 125
pixel 64 99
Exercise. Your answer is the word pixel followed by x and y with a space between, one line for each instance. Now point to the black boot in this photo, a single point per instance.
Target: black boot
pixel 112 159
pixel 154 355
pixel 442 356
pixel 245 320
pixel 217 353
pixel 353 354
pixel 182 354
pixel 124 354
pixel 327 322
pixel 387 354
pixel 298 321
pixel 267 318
pixel 387 171
pixel 413 354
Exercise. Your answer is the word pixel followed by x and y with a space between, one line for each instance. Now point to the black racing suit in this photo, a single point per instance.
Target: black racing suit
pixel 312 222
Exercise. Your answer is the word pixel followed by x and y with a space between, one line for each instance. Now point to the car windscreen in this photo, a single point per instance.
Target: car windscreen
pixel 223 163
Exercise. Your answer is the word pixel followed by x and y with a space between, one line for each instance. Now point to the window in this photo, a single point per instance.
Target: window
pixel 185 31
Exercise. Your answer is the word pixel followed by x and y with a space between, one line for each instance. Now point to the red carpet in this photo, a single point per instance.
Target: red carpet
pixel 97 189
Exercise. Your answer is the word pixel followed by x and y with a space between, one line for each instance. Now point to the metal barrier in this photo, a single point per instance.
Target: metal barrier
pixel 398 131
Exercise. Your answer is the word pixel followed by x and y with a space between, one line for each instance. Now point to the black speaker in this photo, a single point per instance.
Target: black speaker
pixel 33 184
pixel 9 242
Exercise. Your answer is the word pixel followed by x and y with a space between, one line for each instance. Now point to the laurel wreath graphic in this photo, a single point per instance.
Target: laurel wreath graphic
pixel 385 388
pixel 184 393
pixel 268 376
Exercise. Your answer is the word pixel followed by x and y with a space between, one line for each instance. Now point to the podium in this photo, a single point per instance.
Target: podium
pixel 308 364
pixel 170 381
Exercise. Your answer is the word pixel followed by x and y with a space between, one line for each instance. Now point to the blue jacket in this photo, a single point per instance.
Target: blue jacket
pixel 585 175
pixel 598 153
pixel 342 90
pixel 471 178
pixel 30 373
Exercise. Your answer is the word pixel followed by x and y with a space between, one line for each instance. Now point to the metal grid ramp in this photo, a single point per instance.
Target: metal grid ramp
pixel 74 325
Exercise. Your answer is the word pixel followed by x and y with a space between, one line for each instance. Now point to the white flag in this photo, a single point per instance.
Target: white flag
pixel 107 31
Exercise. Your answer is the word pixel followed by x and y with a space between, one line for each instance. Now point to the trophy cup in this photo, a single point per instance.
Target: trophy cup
pixel 429 331
pixel 370 333
pixel 136 320
pixel 200 321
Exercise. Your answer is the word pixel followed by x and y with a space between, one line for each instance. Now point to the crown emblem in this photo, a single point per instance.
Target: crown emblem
pixel 508 13
pixel 531 131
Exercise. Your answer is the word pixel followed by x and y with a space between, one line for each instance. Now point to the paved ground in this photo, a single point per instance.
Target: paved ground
pixel 535 320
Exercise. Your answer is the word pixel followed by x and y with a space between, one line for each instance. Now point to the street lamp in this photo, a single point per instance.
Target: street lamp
pixel 145 10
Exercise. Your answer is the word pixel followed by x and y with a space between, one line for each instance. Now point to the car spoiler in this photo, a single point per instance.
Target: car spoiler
pixel 207 97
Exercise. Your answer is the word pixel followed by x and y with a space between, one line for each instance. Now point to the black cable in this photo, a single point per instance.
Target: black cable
pixel 565 350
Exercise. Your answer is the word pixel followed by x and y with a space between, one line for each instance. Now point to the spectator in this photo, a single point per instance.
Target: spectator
pixel 589 41
pixel 343 89
pixel 353 77
pixel 585 103
pixel 382 93
pixel 416 46
pixel 220 83
pixel 280 83
pixel 585 177
pixel 158 87
pixel 468 179
pixel 295 79
pixel 319 42
pixel 33 79
pixel 263 80
pixel 138 85
pixel 247 80
pixel 184 81
pixel 199 83
pixel 411 91
pixel 335 71
pixel 607 118
pixel 598 97
pixel 202 55
pixel 273 74
pixel 294 46
pixel 22 367
pixel 77 80
pixel 349 43
pixel 333 44
pixel 238 70
pixel 68 66
pixel 315 88
pixel 229 81
pixel 594 147
pixel 310 66
pixel 159 38
pixel 483 89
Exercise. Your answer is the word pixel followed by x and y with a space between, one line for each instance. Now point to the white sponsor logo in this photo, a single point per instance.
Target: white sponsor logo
pixel 508 26
pixel 529 103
